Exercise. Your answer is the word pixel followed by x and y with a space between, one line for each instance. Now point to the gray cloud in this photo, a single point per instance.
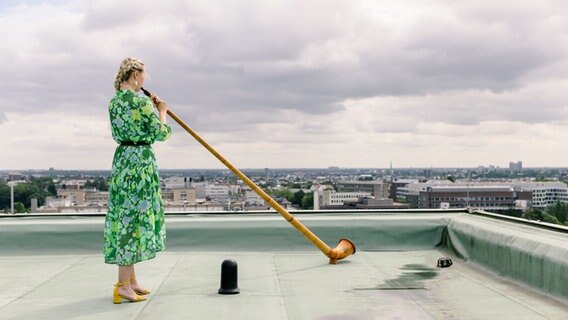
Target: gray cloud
pixel 248 66
pixel 261 56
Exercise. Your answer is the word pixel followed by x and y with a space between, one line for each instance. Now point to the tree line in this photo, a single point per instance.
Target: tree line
pixel 557 214
pixel 299 198
pixel 37 188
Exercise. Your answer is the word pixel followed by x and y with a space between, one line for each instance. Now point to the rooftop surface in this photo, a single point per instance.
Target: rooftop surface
pixel 52 268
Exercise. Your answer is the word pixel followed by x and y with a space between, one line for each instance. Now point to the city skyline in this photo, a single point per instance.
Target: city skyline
pixel 286 84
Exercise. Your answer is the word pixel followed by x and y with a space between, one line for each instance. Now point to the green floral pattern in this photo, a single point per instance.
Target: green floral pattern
pixel 134 225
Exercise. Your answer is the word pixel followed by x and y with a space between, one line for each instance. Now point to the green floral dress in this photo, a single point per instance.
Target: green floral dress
pixel 134 225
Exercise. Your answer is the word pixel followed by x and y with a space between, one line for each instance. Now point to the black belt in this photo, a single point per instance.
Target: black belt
pixel 132 143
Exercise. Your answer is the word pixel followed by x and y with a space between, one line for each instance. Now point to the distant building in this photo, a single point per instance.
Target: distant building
pixel 317 190
pixel 199 190
pixel 16 176
pixel 253 199
pixel 93 197
pixel 483 195
pixel 397 184
pixel 75 183
pixel 205 206
pixel 55 202
pixel 333 198
pixel 79 197
pixel 179 196
pixel 325 197
pixel 373 203
pixel 184 195
pixel 516 166
pixel 75 195
pixel 176 182
pixel 234 189
pixel 217 192
pixel 377 189
pixel 545 194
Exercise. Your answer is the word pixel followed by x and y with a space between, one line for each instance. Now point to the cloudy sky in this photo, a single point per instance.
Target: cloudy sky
pixel 281 84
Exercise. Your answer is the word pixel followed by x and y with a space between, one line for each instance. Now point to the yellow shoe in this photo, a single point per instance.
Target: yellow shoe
pixel 117 297
pixel 141 292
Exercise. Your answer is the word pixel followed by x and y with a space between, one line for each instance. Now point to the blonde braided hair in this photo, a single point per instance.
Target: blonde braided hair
pixel 127 66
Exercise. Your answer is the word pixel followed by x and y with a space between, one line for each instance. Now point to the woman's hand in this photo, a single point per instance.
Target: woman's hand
pixel 155 99
pixel 163 106
pixel 160 104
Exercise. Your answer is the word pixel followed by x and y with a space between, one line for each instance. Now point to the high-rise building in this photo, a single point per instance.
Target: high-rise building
pixel 516 166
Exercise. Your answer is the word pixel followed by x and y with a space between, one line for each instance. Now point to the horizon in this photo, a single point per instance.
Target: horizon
pixel 297 168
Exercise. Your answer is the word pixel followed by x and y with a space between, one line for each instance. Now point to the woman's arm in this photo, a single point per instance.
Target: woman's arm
pixel 162 107
pixel 163 111
pixel 156 127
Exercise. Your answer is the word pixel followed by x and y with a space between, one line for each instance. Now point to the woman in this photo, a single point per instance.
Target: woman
pixel 134 225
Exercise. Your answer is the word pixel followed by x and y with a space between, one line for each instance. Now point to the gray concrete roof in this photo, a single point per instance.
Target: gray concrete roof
pixel 275 284
pixel 295 285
